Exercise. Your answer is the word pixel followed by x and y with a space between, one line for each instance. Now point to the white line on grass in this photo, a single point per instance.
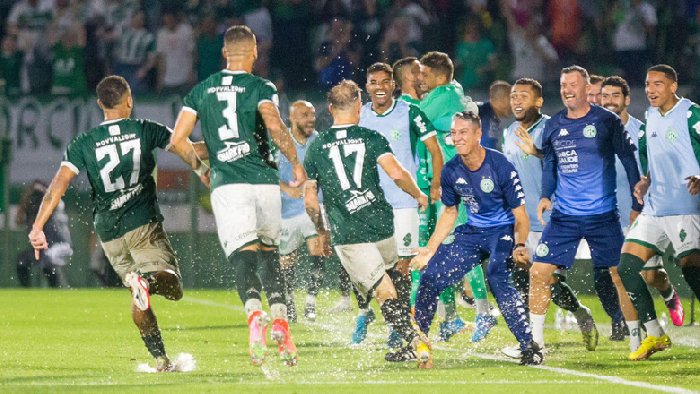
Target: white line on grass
pixel 563 371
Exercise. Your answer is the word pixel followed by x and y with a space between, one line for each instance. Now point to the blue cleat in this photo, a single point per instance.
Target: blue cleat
pixel 360 333
pixel 484 324
pixel 394 341
pixel 450 328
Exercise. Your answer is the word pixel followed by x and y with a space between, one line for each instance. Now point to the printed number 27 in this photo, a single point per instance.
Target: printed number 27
pixel 133 146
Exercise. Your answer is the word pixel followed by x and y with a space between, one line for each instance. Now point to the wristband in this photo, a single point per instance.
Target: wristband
pixel 202 170
pixel 519 244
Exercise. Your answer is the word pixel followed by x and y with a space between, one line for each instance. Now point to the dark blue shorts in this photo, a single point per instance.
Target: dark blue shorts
pixel 563 233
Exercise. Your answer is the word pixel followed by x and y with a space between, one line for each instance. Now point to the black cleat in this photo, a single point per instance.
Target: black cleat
pixel 618 332
pixel 532 355
pixel 291 312
pixel 310 312
pixel 406 353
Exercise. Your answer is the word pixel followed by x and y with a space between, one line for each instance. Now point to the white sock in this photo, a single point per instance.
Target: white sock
pixel 635 334
pixel 441 312
pixel 654 328
pixel 362 312
pixel 482 306
pixel 345 300
pixel 310 300
pixel 278 311
pixel 252 305
pixel 537 322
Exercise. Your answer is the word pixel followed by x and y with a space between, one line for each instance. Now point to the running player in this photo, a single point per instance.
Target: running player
pixel 668 153
pixel 483 180
pixel 579 145
pixel 296 228
pixel 118 157
pixel 616 98
pixel 443 99
pixel 235 108
pixel 404 126
pixel 343 163
pixel 525 135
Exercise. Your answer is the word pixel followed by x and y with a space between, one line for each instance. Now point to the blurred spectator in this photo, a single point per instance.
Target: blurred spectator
pixel 565 23
pixel 28 20
pixel 135 54
pixel 692 50
pixel 260 22
pixel 68 61
pixel 10 65
pixel 475 56
pixel 418 16
pixel 635 26
pixel 209 45
pixel 280 83
pixel 493 114
pixel 53 260
pixel 294 54
pixel 339 56
pixel 175 52
pixel 396 42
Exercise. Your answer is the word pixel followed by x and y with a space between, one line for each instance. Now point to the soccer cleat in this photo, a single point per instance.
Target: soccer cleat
pixel 588 330
pixel 394 341
pixel 512 351
pixel 310 312
pixel 281 335
pixel 484 324
pixel 531 355
pixel 649 346
pixel 257 332
pixel 360 333
pixel 140 296
pixel 406 353
pixel 292 312
pixel 424 351
pixel 371 316
pixel 342 306
pixel 618 332
pixel 448 329
pixel 675 309
pixel 163 364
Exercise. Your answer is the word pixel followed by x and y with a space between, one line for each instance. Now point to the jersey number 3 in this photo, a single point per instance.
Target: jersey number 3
pixel 230 129
pixel 348 149
pixel 111 151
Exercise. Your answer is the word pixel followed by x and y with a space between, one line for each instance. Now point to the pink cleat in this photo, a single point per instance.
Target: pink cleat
pixel 675 309
pixel 281 335
pixel 257 332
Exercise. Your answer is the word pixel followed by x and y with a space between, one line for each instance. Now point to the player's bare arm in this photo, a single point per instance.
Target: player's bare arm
pixel 641 188
pixel 280 135
pixel 522 229
pixel 181 145
pixel 438 160
pixel 51 199
pixel 200 148
pixel 402 178
pixel 544 205
pixel 444 226
pixel 293 192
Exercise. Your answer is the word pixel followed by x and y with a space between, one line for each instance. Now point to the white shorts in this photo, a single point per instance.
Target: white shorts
pixel 294 233
pixel 406 231
pixel 655 262
pixel 658 232
pixel 247 213
pixel 366 263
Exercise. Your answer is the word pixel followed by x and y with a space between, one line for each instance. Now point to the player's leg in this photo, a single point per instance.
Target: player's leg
pixel 686 243
pixel 406 227
pixel 484 320
pixel 426 225
pixel 628 311
pixel 655 276
pixel 268 213
pixel 288 262
pixel 291 239
pixel 315 247
pixel 345 287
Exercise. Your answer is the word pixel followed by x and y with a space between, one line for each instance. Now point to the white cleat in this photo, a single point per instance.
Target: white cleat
pixel 140 296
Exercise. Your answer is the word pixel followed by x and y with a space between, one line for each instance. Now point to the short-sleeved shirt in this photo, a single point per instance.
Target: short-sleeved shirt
pixel 489 193
pixel 68 70
pixel 292 207
pixel 343 161
pixel 233 129
pixel 134 47
pixel 119 158
pixel 404 126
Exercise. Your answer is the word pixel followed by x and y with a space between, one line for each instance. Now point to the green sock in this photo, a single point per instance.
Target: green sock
pixel 448 299
pixel 415 282
pixel 477 283
pixel 629 270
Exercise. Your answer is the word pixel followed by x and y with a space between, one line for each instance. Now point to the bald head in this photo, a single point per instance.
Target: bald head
pixel 302 116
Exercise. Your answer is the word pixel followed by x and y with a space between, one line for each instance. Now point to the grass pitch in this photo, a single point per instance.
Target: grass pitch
pixel 84 340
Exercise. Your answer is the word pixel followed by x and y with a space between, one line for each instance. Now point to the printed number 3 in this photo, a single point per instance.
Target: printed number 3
pixel 114 160
pixel 230 130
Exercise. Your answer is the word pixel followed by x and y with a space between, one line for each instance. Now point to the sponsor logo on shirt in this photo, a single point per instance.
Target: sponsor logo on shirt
pixel 127 195
pixel 563 132
pixel 487 185
pixel 233 151
pixel 461 181
pixel 359 200
pixel 589 131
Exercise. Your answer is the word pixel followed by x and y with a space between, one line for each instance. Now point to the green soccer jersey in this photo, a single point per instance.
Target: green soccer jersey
pixel 68 70
pixel 119 158
pixel 343 160
pixel 440 105
pixel 422 176
pixel 235 135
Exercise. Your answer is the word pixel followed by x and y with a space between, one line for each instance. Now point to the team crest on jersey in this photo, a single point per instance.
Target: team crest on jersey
pixel 486 185
pixel 589 131
pixel 542 250
pixel 449 239
pixel 395 134
pixel 671 135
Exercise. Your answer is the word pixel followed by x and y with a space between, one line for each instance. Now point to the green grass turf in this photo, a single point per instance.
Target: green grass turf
pixel 84 340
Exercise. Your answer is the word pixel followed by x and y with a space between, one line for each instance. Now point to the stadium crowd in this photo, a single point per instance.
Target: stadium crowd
pixel 166 46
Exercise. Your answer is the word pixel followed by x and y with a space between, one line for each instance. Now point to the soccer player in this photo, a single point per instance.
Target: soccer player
pixel 296 227
pixel 668 147
pixel 404 126
pixel 118 157
pixel 235 108
pixel 443 99
pixel 407 78
pixel 594 95
pixel 487 184
pixel 616 98
pixel 579 145
pixel 343 163
pixel 523 136
pixel 493 113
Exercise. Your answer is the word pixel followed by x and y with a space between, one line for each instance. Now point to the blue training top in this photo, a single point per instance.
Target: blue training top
pixel 489 193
